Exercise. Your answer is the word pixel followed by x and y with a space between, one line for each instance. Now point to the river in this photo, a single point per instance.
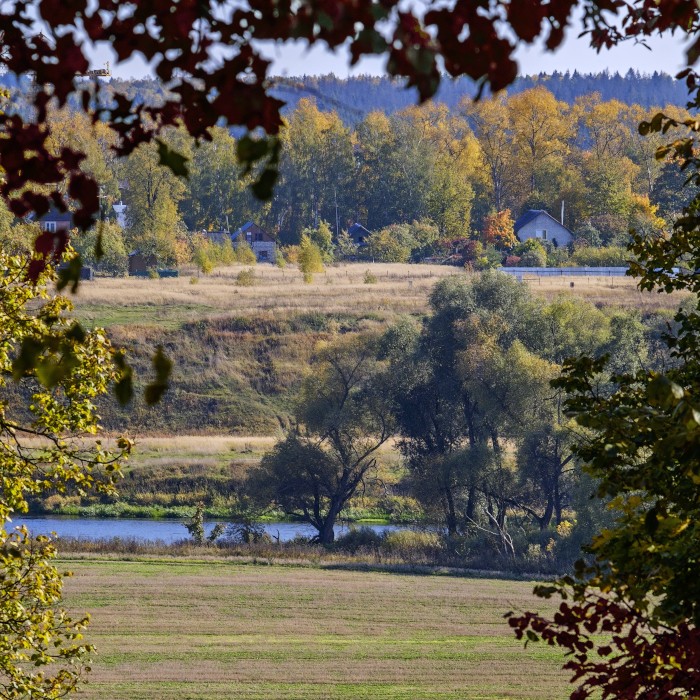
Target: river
pixel 167 531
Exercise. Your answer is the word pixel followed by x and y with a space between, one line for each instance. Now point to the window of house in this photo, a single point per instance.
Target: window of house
pixel 50 226
pixel 258 237
pixel 542 233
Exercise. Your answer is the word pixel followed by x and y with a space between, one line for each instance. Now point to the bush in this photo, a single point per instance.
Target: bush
pixel 612 256
pixel 363 539
pixel 202 256
pixel 310 259
pixel 370 278
pixel 536 256
pixel 392 244
pixel 226 254
pixel 246 278
pixel 413 545
pixel 57 502
pixel 290 253
pixel 490 259
pixel 114 258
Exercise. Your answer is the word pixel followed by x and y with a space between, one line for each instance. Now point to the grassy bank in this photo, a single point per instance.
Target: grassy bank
pixel 239 352
pixel 213 630
pixel 166 477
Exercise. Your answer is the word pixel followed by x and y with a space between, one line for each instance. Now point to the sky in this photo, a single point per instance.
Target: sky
pixel 665 54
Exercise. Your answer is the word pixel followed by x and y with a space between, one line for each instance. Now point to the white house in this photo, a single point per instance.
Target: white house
pixel 537 223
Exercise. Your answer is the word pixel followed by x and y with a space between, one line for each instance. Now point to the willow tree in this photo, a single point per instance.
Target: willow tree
pixel 342 417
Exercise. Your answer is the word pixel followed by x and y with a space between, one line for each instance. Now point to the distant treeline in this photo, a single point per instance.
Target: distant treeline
pixel 353 98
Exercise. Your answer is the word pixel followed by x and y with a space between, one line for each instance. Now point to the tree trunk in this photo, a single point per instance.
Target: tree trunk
pixel 451 515
pixel 547 515
pixel 471 503
pixel 326 535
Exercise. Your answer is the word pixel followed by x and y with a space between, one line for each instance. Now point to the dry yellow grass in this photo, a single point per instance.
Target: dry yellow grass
pixel 216 630
pixel 399 288
pixel 604 291
pixel 341 289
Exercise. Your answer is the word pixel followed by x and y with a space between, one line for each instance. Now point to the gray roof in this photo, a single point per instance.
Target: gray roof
pixel 358 230
pixel 531 214
pixel 55 215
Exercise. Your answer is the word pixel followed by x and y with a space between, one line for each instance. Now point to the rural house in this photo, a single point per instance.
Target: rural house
pixel 537 223
pixel 359 235
pixel 54 221
pixel 261 242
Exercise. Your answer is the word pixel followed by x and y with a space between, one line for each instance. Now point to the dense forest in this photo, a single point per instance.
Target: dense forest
pixel 356 97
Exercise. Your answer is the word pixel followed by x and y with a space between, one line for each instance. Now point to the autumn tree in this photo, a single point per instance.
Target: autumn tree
pixel 315 171
pixel 491 122
pixel 50 445
pixel 154 221
pixel 374 177
pixel 217 195
pixel 450 394
pixel 498 229
pixel 542 133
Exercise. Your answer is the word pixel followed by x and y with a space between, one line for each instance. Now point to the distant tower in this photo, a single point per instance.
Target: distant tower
pixel 120 211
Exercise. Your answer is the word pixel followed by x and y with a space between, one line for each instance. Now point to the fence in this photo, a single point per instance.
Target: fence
pixel 521 272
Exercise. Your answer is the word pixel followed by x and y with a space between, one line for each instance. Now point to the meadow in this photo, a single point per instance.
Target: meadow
pixel 213 630
pixel 240 352
pixel 341 289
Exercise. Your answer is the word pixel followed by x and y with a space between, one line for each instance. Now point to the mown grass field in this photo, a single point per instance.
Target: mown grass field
pixel 214 630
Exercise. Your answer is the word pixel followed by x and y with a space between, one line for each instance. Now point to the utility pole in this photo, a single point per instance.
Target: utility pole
pixel 337 227
pixel 562 212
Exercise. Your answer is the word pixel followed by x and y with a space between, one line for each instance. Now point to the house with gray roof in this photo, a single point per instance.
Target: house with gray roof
pixel 537 223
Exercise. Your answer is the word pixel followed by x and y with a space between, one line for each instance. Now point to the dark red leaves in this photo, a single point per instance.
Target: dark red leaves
pixel 47 247
pixel 84 189
pixel 641 663
pixel 526 17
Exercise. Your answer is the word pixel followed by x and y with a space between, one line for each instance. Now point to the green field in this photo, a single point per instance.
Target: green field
pixel 217 630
